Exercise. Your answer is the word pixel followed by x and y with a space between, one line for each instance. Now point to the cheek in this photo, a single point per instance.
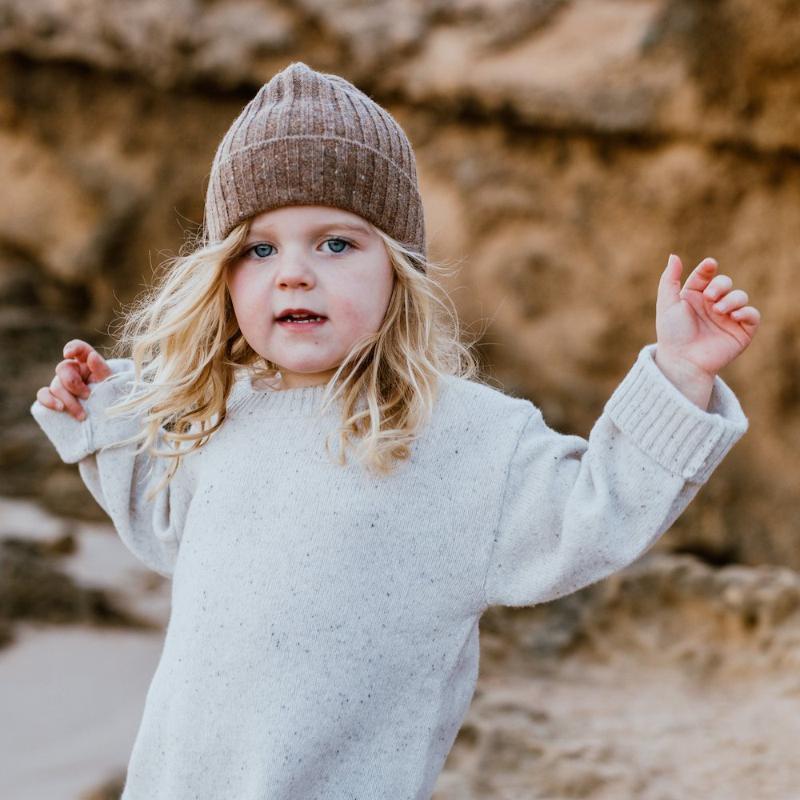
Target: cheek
pixel 245 298
pixel 365 313
pixel 233 281
pixel 382 295
pixel 371 304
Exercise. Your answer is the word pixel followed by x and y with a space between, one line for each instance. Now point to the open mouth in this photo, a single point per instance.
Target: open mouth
pixel 301 319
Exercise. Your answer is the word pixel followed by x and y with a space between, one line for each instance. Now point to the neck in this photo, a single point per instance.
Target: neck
pixel 300 380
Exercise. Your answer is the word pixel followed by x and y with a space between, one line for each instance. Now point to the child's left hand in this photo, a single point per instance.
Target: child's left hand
pixel 702 327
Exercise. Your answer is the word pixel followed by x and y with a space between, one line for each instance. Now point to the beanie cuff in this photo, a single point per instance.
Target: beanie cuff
pixel 315 170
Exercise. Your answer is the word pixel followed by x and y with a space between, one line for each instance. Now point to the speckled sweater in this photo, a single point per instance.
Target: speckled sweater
pixel 323 637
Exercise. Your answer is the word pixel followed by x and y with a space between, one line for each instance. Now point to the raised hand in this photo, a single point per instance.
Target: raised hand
pixel 82 366
pixel 701 327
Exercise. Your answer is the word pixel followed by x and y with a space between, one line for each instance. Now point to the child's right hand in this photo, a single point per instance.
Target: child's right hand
pixel 81 366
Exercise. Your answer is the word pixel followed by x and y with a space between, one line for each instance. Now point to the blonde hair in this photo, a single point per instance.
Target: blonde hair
pixel 187 348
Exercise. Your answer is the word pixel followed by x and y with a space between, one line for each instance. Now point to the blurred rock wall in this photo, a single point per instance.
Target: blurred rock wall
pixel 565 148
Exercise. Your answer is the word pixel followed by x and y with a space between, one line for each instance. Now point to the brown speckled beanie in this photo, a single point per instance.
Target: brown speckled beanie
pixel 313 138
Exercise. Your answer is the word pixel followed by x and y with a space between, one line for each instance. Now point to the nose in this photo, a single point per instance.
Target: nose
pixel 294 272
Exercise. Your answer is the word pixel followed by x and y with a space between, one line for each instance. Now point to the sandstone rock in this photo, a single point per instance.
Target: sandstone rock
pixel 565 149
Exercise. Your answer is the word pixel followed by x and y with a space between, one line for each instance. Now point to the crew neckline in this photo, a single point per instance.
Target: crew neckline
pixel 297 401
pixel 249 379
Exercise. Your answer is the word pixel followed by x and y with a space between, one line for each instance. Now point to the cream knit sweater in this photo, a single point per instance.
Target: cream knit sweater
pixel 323 640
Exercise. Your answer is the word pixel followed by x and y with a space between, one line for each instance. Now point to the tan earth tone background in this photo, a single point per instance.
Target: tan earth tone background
pixel 565 149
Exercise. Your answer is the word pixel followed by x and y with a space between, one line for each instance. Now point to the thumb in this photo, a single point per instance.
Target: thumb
pixel 98 366
pixel 669 287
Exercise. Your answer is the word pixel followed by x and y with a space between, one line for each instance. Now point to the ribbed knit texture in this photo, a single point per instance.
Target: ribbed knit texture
pixel 323 641
pixel 313 138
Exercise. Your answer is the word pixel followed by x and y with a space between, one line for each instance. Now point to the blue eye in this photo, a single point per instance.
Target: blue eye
pixel 257 247
pixel 339 241
pixel 258 251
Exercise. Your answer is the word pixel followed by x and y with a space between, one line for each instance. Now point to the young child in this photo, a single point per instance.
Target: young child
pixel 323 641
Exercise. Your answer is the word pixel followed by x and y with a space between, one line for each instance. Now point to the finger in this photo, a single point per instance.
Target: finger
pixel 718 287
pixel 669 286
pixel 48 400
pixel 78 349
pixel 748 316
pixel 701 275
pixel 731 301
pixel 99 367
pixel 71 379
pixel 71 404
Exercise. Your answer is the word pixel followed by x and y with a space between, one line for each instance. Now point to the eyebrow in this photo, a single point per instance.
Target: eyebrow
pixel 328 226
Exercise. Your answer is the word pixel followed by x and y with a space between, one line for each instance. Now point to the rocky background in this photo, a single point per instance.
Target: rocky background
pixel 565 148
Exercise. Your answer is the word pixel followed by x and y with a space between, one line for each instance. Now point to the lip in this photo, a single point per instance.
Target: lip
pixel 300 326
pixel 299 311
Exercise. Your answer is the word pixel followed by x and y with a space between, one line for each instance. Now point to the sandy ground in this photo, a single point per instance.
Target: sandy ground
pixel 72 696
pixel 73 700
pixel 684 686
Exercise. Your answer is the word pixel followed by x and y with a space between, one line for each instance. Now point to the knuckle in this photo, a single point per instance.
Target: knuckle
pixel 69 377
pixel 60 382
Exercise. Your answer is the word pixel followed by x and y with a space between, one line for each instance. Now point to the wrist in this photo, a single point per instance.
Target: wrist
pixel 693 382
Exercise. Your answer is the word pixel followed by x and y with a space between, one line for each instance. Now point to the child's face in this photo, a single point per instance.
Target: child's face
pixel 309 257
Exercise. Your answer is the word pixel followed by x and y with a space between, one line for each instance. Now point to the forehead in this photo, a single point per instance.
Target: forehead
pixel 308 218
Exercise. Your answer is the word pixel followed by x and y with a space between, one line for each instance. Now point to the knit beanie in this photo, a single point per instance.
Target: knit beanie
pixel 313 138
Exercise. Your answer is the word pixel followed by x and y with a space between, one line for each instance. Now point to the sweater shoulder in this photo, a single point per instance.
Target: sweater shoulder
pixel 480 402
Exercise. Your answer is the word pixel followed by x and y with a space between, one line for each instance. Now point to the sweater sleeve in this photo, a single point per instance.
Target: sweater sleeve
pixel 116 477
pixel 575 511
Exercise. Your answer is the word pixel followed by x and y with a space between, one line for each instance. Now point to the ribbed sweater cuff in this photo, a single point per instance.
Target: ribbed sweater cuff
pixel 75 439
pixel 669 427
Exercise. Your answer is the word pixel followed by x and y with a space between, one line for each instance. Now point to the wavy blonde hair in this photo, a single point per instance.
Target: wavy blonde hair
pixel 187 349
